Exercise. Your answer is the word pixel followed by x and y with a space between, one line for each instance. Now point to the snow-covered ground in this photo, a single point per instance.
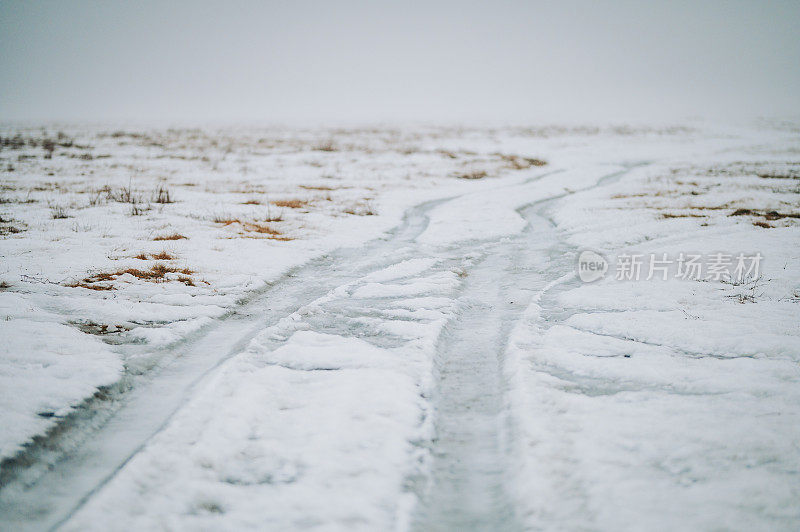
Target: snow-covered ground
pixel 385 328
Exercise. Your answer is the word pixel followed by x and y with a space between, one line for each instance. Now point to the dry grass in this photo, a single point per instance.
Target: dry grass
pixel 765 225
pixel 4 285
pixel 10 230
pixel 320 187
pixel 326 146
pixel 774 215
pixel 265 230
pixel 520 163
pixel 258 228
pixel 98 287
pixel 255 227
pixel 291 204
pixel 681 215
pixel 779 175
pixel 157 273
pixel 162 195
pixel 225 219
pixel 361 209
pixel 58 212
pixel 138 210
pixel 173 236
pixel 476 174
pixel 767 215
pixel 161 255
pixel 251 202
pixel 124 195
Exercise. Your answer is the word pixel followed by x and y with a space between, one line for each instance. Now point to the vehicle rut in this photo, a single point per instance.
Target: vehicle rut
pixel 472 451
pixel 56 474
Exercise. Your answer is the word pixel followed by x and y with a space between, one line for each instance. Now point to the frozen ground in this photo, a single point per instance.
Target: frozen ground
pixel 384 329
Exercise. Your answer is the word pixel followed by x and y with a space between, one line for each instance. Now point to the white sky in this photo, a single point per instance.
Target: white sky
pixel 374 61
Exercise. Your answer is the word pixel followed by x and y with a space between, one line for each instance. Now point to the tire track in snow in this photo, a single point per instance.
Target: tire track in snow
pixel 55 477
pixel 44 485
pixel 473 449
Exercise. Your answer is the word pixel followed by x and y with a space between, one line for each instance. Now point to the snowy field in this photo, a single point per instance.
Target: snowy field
pixel 387 329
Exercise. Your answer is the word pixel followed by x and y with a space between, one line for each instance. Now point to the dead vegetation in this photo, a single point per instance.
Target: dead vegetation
pixel 361 209
pixel 7 226
pixel 57 212
pixel 747 290
pixel 516 162
pixel 779 175
pixel 273 218
pixel 173 236
pixel 685 192
pixel 162 195
pixel 326 146
pixel 291 204
pixel 100 329
pixel 251 202
pixel 224 219
pixel 475 174
pixel 668 215
pixel 98 287
pixel 245 227
pixel 161 255
pixel 157 273
pixel 138 210
pixel 46 142
pixel 767 215
pixel 317 187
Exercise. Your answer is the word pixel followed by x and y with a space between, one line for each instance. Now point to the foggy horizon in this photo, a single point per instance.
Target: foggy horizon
pixel 359 62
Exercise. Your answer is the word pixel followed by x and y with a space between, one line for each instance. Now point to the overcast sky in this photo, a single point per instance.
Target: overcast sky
pixel 355 61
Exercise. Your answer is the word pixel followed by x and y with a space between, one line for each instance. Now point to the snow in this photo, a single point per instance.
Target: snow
pixel 347 338
pixel 39 361
pixel 274 437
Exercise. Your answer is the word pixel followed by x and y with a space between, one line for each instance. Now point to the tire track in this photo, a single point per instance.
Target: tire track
pixel 474 452
pixel 45 484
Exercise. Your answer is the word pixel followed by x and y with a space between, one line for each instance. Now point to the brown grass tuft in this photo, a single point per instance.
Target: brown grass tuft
pixel 765 225
pixel 477 174
pixel 156 273
pixel 251 202
pixel 162 195
pixel 98 287
pixel 173 236
pixel 163 255
pixel 325 146
pixel 768 215
pixel 261 229
pixel 292 204
pixel 682 215
pixel 520 163
pixel 226 220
